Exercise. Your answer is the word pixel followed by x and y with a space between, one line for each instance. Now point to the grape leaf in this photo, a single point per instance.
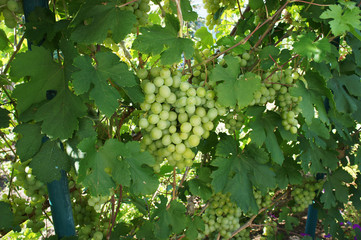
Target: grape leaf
pixel 317 133
pixel 343 19
pixel 4 41
pixel 125 162
pixel 256 4
pixel 335 189
pixel 146 231
pixel 229 41
pixel 356 193
pixel 92 168
pixel 205 37
pixel 263 131
pixel 346 90
pixel 238 173
pixel 199 186
pixel 136 164
pixel 268 56
pixel 290 221
pixel 30 142
pixel 59 115
pixel 45 75
pixel 315 159
pixel 164 41
pixel 194 226
pixel 173 219
pixel 312 97
pixel 7 216
pixel 49 161
pixel 4 118
pixel 231 88
pixel 318 50
pixel 187 12
pixel 95 79
pixel 94 21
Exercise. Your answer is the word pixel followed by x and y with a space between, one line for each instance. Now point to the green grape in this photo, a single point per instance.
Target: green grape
pixel 219 218
pixel 177 120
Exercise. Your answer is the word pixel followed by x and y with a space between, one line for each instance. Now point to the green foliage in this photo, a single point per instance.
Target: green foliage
pixel 274 100
pixel 156 40
pixel 94 79
pixel 94 21
pixel 344 19
pixel 228 78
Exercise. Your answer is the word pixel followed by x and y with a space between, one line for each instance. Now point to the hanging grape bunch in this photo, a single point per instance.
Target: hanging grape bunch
pixel 9 9
pixel 276 88
pixel 221 217
pixel 304 194
pixel 177 115
pixel 140 8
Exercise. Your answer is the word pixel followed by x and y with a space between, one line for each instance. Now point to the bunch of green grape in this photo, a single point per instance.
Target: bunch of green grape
pixel 276 89
pixel 263 201
pixel 221 217
pixel 140 8
pixel 270 228
pixel 89 223
pixel 9 9
pixel 97 202
pixel 29 207
pixel 243 235
pixel 176 116
pixel 304 194
pixel 214 6
pixel 234 120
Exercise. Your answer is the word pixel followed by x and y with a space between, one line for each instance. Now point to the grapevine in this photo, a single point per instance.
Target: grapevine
pixel 180 119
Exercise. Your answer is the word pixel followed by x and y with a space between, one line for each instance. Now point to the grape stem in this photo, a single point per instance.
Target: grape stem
pixel 125 4
pixel 274 20
pixel 180 17
pixel 114 216
pixel 311 3
pixel 249 222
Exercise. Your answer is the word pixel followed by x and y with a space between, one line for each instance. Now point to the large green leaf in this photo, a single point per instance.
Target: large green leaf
pixel 94 21
pixel 49 161
pixel 164 41
pixel 95 79
pixel 30 141
pixel 233 88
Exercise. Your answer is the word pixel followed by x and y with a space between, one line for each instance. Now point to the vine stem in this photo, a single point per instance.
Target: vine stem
pixel 273 19
pixel 17 48
pixel 8 144
pixel 180 17
pixel 174 185
pixel 311 3
pixel 249 222
pixel 116 211
pixel 125 4
pixel 243 41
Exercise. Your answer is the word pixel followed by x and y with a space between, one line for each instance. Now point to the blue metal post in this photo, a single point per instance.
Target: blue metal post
pixel 59 196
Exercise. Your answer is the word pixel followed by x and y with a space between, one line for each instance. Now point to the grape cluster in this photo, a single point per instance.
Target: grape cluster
pixel 243 235
pixel 9 10
pixel 31 208
pixel 262 201
pixel 222 216
pixel 140 8
pixel 97 202
pixel 89 223
pixel 276 89
pixel 177 115
pixel 304 194
pixel 234 120
pixel 269 229
pixel 212 7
